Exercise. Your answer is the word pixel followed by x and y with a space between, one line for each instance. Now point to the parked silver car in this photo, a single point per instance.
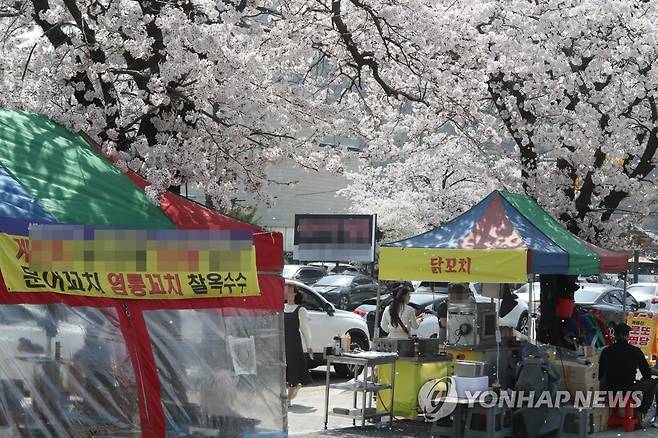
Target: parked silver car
pixel 646 293
pixel 607 302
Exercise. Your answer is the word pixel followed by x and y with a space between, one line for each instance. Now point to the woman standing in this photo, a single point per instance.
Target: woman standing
pixel 296 328
pixel 399 317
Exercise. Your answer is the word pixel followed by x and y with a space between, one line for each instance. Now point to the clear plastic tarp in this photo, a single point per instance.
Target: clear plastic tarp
pixel 65 372
pixel 221 371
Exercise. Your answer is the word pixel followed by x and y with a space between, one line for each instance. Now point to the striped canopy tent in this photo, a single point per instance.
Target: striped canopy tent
pixel 501 239
pixel 51 175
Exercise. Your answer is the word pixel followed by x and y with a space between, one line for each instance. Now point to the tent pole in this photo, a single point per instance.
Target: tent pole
pixel 379 296
pixel 624 298
pixel 531 309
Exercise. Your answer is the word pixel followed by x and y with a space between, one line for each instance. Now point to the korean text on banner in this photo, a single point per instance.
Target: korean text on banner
pixel 473 265
pixel 643 332
pixel 160 275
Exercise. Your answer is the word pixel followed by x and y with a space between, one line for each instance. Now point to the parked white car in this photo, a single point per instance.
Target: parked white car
pixel 523 293
pixel 327 322
pixel 644 278
pixel 645 293
pixel 516 318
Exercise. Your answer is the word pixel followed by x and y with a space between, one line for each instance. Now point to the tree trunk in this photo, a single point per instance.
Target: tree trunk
pixel 209 202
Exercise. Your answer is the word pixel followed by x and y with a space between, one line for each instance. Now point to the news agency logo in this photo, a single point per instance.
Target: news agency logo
pixel 438 399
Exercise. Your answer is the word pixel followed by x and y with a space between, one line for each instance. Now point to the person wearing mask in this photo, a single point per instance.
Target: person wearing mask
pixel 399 318
pixel 457 293
pixel 297 335
pixel 618 367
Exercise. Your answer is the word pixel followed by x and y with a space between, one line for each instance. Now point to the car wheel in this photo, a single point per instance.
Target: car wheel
pixel 522 326
pixel 350 371
pixel 344 302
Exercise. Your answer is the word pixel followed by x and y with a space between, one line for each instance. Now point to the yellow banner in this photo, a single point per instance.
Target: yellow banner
pixel 14 263
pixel 472 265
pixel 643 332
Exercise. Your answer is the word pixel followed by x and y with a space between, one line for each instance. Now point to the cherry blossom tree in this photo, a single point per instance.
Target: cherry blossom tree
pixel 582 113
pixel 452 97
pixel 419 189
pixel 184 91
pixel 560 91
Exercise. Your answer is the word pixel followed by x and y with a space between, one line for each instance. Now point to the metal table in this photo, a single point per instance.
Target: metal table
pixel 365 387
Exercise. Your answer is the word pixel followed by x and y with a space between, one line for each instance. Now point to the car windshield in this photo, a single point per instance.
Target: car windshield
pixel 367 307
pixel 586 296
pixel 641 290
pixel 525 289
pixel 289 271
pixel 334 280
pixel 423 299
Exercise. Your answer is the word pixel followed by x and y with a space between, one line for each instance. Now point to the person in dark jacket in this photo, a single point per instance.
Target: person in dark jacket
pixel 618 368
pixel 297 336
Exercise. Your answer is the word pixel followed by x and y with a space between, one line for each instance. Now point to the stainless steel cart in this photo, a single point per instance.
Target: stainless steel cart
pixel 367 387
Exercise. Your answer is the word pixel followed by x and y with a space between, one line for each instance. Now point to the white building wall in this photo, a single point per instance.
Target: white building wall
pixel 313 192
pixel 308 192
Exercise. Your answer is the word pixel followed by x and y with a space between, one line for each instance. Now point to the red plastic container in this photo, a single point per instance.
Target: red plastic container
pixel 564 307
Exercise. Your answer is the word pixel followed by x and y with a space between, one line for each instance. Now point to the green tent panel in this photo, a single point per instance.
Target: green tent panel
pixel 581 258
pixel 72 181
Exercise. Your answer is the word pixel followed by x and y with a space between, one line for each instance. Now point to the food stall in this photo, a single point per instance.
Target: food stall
pixel 153 354
pixel 502 239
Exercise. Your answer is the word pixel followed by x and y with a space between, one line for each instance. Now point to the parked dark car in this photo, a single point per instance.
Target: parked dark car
pixel 304 274
pixel 606 301
pixel 346 291
pixel 336 268
pixel 421 302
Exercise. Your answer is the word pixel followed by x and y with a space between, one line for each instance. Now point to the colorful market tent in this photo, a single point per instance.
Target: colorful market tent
pixel 78 365
pixel 501 239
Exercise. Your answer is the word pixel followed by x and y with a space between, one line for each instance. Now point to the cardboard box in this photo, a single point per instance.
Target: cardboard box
pixel 574 387
pixel 578 372
pixel 578 377
pixel 600 419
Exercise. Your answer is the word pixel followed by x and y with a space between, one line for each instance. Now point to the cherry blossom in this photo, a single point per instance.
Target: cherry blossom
pixel 555 98
pixel 203 92
pixel 451 98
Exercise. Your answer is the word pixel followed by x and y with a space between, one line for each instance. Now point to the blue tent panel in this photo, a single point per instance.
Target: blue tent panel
pixel 450 234
pixel 17 203
pixel 545 256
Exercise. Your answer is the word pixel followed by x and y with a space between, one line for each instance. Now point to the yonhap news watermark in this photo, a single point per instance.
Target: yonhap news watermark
pixel 440 399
